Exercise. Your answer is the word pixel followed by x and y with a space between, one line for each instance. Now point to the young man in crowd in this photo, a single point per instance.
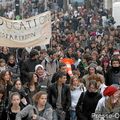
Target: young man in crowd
pixel 59 97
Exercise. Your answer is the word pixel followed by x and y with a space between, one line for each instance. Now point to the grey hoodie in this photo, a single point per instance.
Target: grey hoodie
pixel 29 110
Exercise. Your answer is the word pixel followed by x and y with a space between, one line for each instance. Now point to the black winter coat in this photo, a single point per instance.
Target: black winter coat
pixel 7 114
pixel 65 98
pixel 89 103
pixel 112 76
pixel 53 95
pixel 26 67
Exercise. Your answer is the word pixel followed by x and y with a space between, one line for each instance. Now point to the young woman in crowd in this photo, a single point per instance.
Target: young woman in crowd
pixel 6 78
pixel 105 64
pixel 41 110
pixel 6 81
pixel 4 54
pixel 88 101
pixel 2 99
pixel 100 82
pixel 108 107
pixel 13 67
pixel 13 108
pixel 76 88
pixel 43 80
pixel 32 86
pixel 17 87
pixel 3 65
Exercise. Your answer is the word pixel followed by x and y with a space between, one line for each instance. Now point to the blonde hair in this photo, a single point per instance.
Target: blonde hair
pixel 71 81
pixel 2 61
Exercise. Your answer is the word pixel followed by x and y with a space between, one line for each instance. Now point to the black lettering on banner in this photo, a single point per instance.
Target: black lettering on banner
pixel 48 17
pixel 16 37
pixel 15 26
pixel 28 23
pixel 33 34
pixel 8 25
pixel 35 22
pixel 29 35
pixel 23 37
pixel 11 37
pixel 20 37
pixel 41 19
pixel 1 21
pixel 2 35
pixel 22 25
pixel 6 35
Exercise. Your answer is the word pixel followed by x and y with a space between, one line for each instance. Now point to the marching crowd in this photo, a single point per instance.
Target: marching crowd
pixel 42 83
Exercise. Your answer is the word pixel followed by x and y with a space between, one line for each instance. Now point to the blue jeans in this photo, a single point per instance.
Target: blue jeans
pixel 60 114
pixel 73 115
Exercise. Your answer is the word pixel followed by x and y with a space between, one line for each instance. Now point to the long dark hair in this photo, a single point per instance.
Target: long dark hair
pixel 31 79
pixel 2 91
pixel 2 75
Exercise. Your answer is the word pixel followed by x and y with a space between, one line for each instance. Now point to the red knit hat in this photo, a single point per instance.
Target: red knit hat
pixel 110 90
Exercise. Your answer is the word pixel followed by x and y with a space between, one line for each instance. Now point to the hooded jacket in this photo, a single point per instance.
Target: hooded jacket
pixel 30 110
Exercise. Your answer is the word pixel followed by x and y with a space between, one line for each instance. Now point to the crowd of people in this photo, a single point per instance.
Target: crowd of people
pixel 35 84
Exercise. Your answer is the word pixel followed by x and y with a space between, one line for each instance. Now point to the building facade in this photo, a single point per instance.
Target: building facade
pixel 108 4
pixel 6 2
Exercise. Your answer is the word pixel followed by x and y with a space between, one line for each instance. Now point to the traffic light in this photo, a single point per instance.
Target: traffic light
pixel 17 7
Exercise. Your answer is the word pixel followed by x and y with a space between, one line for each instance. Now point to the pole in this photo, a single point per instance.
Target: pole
pixel 65 6
pixel 17 7
pixel 22 8
pixel 45 3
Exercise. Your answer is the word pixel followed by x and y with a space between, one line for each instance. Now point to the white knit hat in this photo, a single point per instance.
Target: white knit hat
pixel 37 66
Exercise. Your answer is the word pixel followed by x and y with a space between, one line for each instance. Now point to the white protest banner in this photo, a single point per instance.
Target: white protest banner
pixel 27 32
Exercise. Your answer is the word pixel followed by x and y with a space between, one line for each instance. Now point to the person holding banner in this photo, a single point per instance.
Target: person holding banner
pixel 29 66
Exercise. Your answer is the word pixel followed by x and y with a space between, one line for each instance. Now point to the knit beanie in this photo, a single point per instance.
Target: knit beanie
pixel 110 90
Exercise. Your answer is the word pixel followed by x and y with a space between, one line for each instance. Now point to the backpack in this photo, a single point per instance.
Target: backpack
pixel 56 61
